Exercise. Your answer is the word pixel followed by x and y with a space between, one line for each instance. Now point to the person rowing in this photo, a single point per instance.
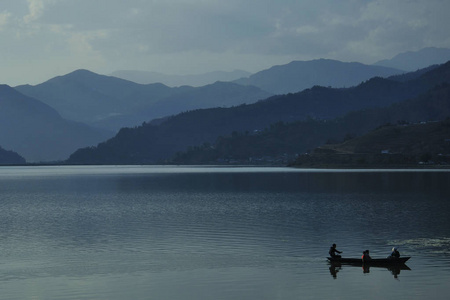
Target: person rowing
pixel 333 252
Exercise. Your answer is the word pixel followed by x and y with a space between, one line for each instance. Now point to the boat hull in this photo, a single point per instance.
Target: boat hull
pixel 372 262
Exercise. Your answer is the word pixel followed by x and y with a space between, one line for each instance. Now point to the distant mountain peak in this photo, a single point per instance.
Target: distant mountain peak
pixel 77 75
pixel 414 60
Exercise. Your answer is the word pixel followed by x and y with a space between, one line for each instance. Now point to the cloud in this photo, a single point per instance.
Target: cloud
pixel 391 27
pixel 4 18
pixel 195 35
pixel 262 27
pixel 36 8
pixel 80 43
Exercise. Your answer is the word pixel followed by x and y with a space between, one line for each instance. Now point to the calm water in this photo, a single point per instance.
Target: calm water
pixel 219 233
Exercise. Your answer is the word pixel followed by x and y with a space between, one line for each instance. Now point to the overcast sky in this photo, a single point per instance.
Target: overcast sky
pixel 40 39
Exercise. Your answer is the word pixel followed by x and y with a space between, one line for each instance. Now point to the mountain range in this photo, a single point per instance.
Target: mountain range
pixel 111 103
pixel 47 122
pixel 309 72
pixel 299 75
pixel 150 143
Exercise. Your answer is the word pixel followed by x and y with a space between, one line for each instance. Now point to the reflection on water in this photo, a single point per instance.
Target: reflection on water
pixel 219 233
pixel 393 269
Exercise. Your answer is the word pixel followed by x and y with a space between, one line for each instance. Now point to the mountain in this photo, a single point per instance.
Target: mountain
pixel 154 143
pixel 37 132
pixel 111 103
pixel 299 75
pixel 10 158
pixel 413 60
pixel 88 97
pixel 145 77
pixel 407 143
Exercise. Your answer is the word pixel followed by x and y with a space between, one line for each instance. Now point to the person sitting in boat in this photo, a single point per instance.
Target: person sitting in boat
pixel 333 252
pixel 366 256
pixel 394 254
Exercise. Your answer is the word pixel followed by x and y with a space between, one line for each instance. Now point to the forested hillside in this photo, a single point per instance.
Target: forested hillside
pixel 392 145
pixel 284 141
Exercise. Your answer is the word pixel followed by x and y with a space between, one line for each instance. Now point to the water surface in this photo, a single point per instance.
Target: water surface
pixel 220 233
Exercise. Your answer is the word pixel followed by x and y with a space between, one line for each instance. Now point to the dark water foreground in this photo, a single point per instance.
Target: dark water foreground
pixel 220 233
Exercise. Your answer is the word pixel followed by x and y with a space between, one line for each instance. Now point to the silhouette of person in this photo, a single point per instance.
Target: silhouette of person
pixel 333 252
pixel 394 253
pixel 366 256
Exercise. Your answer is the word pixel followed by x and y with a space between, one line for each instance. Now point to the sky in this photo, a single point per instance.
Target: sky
pixel 41 39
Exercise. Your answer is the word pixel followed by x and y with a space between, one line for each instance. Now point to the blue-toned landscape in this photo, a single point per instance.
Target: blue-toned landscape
pixel 191 149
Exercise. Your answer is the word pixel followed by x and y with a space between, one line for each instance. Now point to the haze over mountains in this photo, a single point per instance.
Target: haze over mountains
pixel 299 75
pixel 150 144
pixel 309 76
pixel 196 80
pixel 79 102
pixel 37 132
pixel 414 60
pixel 111 103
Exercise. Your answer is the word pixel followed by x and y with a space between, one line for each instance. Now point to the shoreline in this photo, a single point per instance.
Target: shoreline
pixel 295 166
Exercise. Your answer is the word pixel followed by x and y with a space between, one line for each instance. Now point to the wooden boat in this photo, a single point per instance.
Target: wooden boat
pixel 372 262
pixel 395 266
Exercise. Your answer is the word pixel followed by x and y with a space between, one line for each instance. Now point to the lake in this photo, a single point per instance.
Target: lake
pixel 155 232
